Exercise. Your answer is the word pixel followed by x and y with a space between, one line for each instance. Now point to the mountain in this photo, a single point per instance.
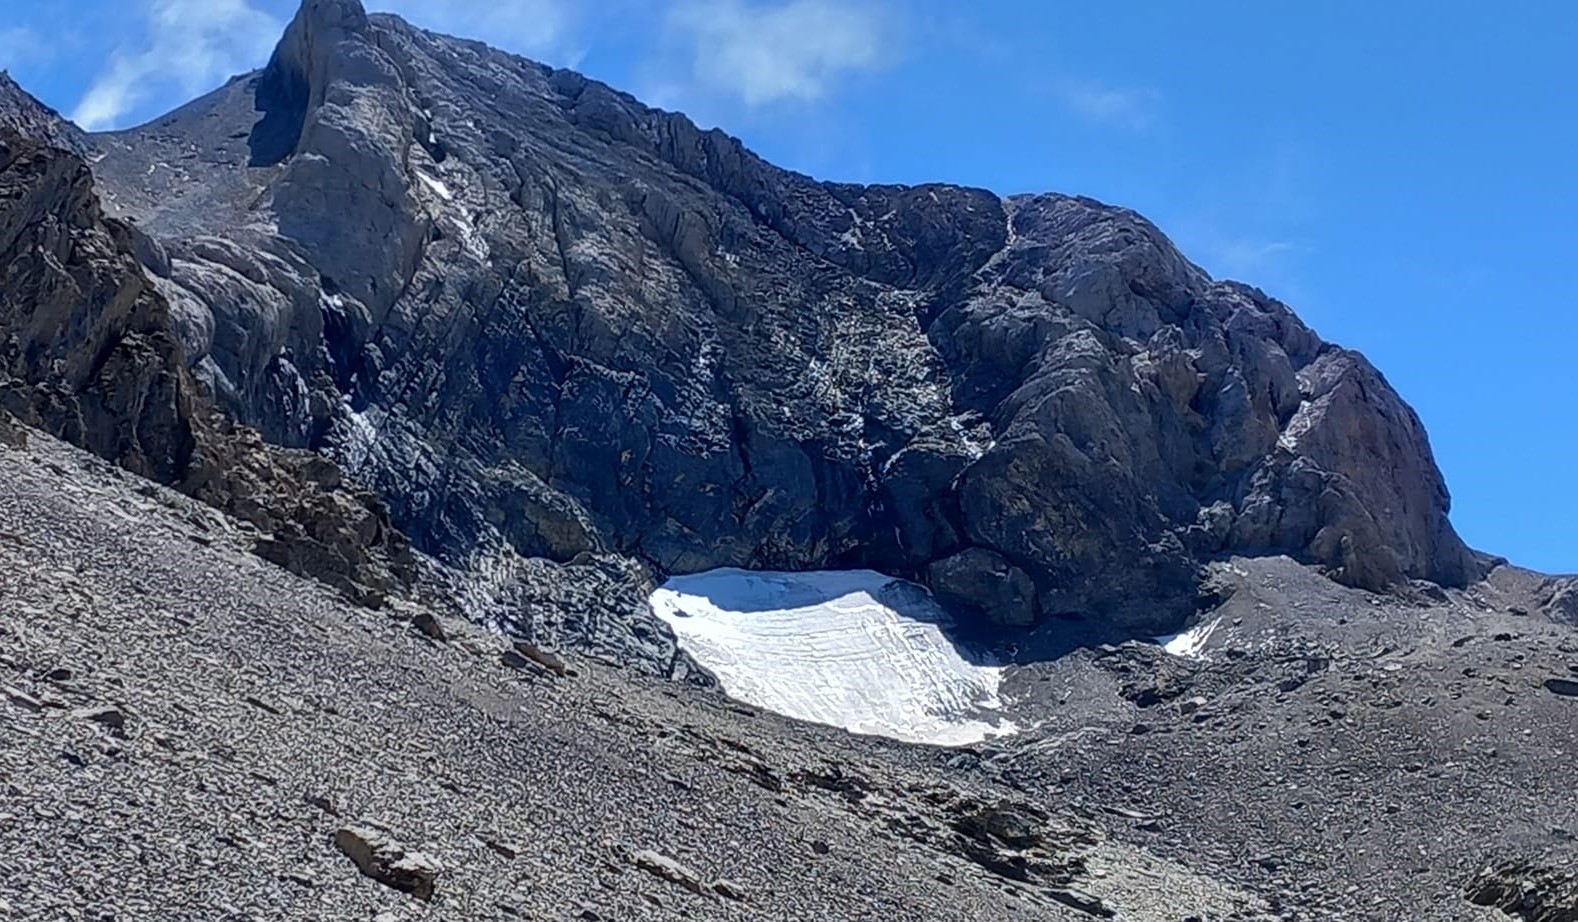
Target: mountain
pixel 548 324
pixel 464 343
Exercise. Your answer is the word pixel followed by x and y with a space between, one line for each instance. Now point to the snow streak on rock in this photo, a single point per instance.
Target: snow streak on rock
pixel 1190 643
pixel 854 649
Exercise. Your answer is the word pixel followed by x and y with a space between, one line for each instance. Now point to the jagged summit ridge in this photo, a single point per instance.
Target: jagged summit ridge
pixel 550 325
pixel 22 113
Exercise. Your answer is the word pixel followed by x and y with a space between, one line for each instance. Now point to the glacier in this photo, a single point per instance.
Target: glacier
pixel 849 648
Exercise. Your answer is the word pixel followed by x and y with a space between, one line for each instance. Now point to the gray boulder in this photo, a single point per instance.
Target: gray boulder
pixel 380 856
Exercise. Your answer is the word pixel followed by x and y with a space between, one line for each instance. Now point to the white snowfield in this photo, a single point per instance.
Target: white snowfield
pixel 850 648
pixel 1190 643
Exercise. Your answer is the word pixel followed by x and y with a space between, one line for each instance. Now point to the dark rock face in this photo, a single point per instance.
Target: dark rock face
pixel 24 115
pixel 551 325
pixel 89 352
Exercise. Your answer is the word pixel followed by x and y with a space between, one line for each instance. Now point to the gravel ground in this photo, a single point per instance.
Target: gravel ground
pixel 186 727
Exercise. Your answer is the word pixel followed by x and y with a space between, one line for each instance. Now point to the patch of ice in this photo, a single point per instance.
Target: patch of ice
pixel 976 448
pixel 849 648
pixel 360 437
pixel 851 237
pixel 436 185
pixel 1190 643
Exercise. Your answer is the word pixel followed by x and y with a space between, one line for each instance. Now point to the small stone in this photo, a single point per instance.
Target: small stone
pixel 668 869
pixel 23 700
pixel 728 889
pixel 379 856
pixel 323 803
pixel 547 659
pixel 300 876
pixel 110 717
pixel 1191 705
pixel 427 624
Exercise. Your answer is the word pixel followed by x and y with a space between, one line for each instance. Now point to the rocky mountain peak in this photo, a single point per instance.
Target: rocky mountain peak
pixel 306 62
pixel 22 113
pixel 551 325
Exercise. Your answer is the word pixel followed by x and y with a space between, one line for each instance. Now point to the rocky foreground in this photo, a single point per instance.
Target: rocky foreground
pixel 194 733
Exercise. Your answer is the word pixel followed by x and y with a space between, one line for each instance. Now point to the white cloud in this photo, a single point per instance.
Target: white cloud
pixel 1246 257
pixel 184 47
pixel 770 52
pixel 1274 264
pixel 543 29
pixel 1133 108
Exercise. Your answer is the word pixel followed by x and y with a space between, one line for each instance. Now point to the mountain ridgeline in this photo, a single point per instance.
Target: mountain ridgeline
pixel 571 341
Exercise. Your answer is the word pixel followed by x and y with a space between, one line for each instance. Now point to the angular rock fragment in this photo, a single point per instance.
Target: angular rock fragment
pixel 110 717
pixel 381 857
pixel 503 847
pixel 427 624
pixel 530 657
pixel 543 657
pixel 659 865
pixel 728 889
pixel 1566 688
pixel 1084 902
pixel 1523 890
pixel 12 435
pixel 22 699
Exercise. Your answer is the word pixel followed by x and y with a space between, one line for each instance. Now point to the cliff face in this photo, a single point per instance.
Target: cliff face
pixel 89 352
pixel 552 326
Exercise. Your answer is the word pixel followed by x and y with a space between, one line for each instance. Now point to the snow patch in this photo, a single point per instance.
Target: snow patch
pixel 437 186
pixel 851 237
pixel 850 648
pixel 360 436
pixel 976 448
pixel 1190 643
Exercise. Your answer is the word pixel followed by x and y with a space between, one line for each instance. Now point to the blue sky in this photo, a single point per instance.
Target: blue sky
pixel 1402 173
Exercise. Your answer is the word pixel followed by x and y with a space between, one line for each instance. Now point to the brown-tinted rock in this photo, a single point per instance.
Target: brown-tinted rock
pixel 93 355
pixel 379 856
